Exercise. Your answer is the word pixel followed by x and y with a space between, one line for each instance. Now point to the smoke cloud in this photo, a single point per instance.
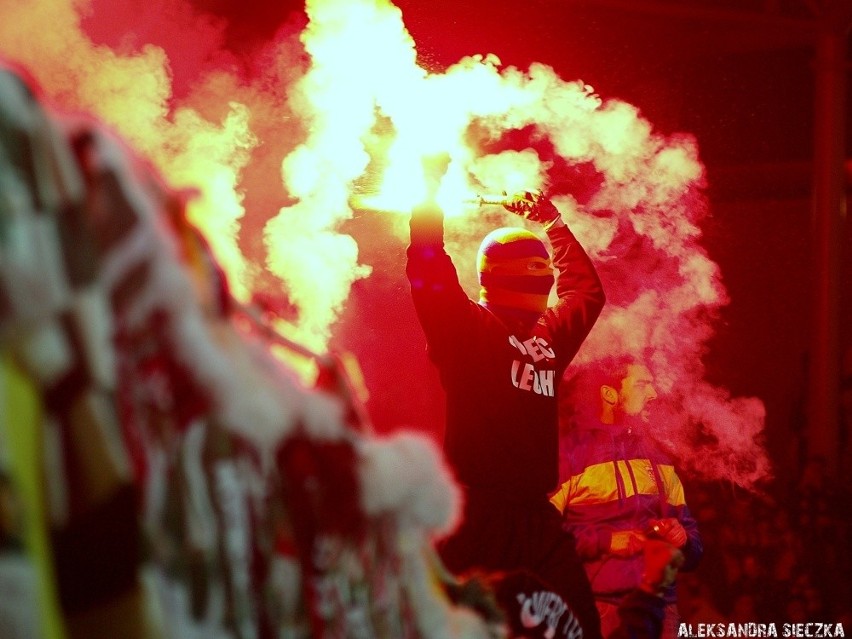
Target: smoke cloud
pixel 322 125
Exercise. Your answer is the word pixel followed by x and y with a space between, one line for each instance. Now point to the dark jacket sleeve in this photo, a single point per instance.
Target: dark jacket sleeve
pixel 677 507
pixel 593 542
pixel 579 292
pixel 591 539
pixel 694 548
pixel 442 306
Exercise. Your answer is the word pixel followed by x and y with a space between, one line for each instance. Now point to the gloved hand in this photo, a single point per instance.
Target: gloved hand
pixel 670 530
pixel 626 543
pixel 534 206
pixel 662 561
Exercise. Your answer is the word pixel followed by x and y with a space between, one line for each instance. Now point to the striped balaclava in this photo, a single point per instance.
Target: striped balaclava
pixel 515 272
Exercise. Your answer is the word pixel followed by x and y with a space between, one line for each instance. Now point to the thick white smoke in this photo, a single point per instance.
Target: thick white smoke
pixel 345 106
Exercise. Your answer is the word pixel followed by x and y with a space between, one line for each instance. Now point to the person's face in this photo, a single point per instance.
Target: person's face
pixel 637 392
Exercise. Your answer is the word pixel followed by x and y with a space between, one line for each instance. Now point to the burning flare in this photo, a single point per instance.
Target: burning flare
pixel 338 116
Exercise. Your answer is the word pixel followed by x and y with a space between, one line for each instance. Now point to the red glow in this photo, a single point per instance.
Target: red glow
pixel 291 126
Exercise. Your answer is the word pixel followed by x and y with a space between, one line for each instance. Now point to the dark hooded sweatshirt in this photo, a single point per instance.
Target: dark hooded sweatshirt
pixel 500 375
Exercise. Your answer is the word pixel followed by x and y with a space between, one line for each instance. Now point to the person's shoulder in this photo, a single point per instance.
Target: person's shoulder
pixel 585 433
pixel 656 450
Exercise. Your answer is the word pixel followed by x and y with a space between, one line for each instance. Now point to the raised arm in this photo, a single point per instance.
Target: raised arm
pixel 434 282
pixel 441 304
pixel 578 287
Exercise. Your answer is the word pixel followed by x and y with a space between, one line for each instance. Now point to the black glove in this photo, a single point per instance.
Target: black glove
pixel 534 206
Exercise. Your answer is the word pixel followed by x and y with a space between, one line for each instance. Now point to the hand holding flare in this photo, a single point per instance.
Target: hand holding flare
pixel 532 205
